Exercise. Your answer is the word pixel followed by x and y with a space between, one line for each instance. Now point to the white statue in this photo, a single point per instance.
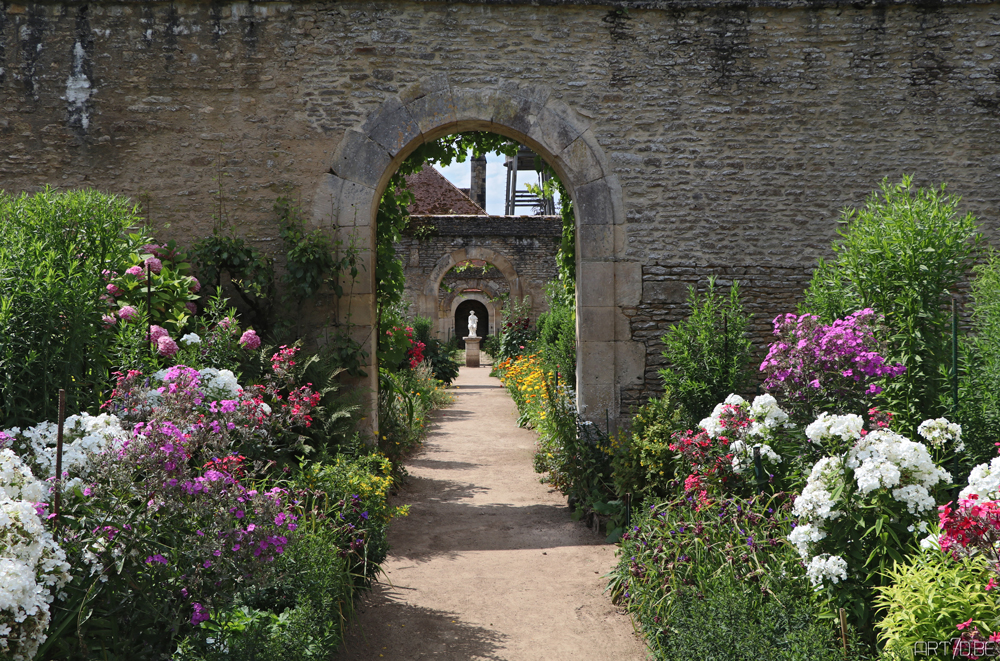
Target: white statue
pixel 473 324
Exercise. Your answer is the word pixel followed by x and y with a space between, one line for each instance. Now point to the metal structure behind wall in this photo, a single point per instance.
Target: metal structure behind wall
pixel 526 161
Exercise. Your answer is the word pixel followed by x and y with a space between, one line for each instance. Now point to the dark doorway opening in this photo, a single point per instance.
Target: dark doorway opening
pixel 462 320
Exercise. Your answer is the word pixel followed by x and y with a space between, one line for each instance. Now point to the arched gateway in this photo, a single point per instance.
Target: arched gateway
pixel 367 156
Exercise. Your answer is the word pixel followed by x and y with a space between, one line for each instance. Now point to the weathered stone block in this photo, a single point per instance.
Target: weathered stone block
pixel 595 242
pixel 355 205
pixel 596 324
pixel 422 87
pixel 433 111
pixel 392 127
pixel 582 160
pixel 630 363
pixel 360 159
pixel 326 201
pixel 595 282
pixel 628 283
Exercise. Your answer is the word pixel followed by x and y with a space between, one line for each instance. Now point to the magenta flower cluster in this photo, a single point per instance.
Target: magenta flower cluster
pixel 840 363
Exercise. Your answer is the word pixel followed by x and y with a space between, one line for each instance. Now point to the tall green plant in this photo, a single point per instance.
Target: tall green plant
pixel 708 353
pixel 54 247
pixel 556 339
pixel 979 386
pixel 903 255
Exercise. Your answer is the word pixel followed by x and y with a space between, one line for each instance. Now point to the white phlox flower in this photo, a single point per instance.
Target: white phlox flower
pixel 825 567
pixel 886 460
pixel 32 565
pixel 712 424
pixel 845 427
pixel 743 455
pixel 984 481
pixel 85 437
pixel 804 536
pixel 939 432
pixel 191 338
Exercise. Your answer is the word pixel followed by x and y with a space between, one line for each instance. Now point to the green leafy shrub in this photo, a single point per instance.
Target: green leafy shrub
pixel 160 276
pixel 708 353
pixel 739 621
pixel 556 337
pixel 643 462
pixel 54 247
pixel 701 573
pixel 902 255
pixel 440 355
pixel 404 400
pixel 979 385
pixel 514 330
pixel 929 594
pixel 250 272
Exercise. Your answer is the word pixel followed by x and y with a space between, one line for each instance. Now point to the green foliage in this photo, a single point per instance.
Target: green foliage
pixel 442 356
pixel 979 385
pixel 738 621
pixel 250 272
pixel 170 293
pixel 53 249
pixel 928 594
pixel 714 579
pixel 404 400
pixel 708 353
pixel 310 254
pixel 903 255
pixel 556 338
pixel 514 330
pixel 642 461
pixel 566 257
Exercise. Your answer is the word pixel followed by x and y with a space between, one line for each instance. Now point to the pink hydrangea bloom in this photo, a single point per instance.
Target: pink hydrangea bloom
pixel 192 308
pixel 109 320
pixel 136 272
pixel 154 264
pixel 249 340
pixel 195 285
pixel 156 332
pixel 150 248
pixel 114 289
pixel 166 346
pixel 127 313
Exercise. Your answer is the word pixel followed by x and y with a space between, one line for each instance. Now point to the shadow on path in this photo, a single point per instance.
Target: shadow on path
pixel 444 635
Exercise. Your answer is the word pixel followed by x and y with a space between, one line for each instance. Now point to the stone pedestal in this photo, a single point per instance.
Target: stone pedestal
pixel 472 351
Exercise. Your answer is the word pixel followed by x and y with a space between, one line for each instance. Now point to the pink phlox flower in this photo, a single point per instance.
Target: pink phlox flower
pixel 250 340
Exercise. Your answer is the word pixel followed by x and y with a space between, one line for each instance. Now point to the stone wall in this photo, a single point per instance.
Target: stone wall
pixel 723 134
pixel 766 292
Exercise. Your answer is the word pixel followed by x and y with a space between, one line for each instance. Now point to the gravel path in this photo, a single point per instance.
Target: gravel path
pixel 488 565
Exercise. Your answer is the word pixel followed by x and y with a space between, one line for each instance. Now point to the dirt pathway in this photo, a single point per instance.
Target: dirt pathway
pixel 488 565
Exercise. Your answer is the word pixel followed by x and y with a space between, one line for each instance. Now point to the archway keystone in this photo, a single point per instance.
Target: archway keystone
pixel 347 202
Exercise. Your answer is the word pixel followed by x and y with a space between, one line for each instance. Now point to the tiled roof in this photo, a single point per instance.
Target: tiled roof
pixel 436 196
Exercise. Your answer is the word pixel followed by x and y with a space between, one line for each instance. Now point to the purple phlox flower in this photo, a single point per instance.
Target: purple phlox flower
pixel 156 558
pixel 200 614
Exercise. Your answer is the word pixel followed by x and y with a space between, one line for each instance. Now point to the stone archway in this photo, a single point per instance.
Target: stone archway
pixel 428 301
pixel 607 283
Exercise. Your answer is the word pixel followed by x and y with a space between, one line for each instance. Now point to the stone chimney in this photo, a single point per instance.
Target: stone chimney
pixel 477 190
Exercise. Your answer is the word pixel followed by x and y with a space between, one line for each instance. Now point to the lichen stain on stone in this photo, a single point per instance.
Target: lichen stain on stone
pixel 79 87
